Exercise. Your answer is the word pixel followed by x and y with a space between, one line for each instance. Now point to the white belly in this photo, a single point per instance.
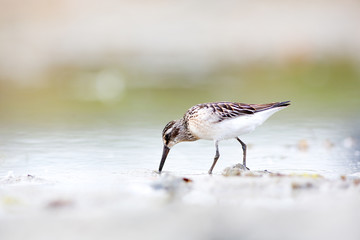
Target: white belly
pixel 208 127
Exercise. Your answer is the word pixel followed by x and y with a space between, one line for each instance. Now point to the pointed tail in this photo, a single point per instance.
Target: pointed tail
pixel 264 107
pixel 281 104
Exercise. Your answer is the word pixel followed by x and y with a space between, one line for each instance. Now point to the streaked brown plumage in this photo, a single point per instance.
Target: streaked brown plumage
pixel 217 121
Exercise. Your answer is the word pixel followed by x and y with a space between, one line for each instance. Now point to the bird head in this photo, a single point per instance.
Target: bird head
pixel 171 135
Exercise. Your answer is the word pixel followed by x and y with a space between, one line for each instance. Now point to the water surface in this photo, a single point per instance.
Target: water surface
pixel 328 148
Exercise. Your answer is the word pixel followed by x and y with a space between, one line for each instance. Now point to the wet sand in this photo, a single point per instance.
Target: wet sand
pixel 141 204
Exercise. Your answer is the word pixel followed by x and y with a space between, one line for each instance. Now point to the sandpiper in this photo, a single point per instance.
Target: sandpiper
pixel 217 121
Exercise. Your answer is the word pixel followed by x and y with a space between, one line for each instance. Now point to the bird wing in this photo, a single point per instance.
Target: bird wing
pixel 229 110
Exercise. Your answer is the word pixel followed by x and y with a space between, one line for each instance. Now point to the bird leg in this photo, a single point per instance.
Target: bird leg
pixel 243 145
pixel 217 155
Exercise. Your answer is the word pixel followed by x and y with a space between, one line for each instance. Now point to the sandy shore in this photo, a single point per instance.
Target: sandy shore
pixel 141 204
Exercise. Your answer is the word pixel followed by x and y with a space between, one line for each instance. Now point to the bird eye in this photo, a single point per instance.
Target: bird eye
pixel 167 138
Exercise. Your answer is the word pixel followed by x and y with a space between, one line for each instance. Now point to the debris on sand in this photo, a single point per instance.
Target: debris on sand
pixel 10 178
pixel 60 203
pixel 306 175
pixel 303 145
pixel 173 185
pixel 236 170
pixel 328 144
pixel 305 185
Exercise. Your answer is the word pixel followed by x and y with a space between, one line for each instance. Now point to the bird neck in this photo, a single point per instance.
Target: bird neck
pixel 184 132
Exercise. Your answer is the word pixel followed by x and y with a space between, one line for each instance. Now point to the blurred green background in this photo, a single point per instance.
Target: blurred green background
pixel 146 62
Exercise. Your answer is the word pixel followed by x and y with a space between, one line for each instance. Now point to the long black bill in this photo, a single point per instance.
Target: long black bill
pixel 163 158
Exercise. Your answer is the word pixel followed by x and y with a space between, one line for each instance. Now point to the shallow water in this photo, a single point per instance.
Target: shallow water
pixel 329 149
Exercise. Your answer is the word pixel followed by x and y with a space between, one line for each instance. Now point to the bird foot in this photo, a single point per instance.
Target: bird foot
pixel 242 167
